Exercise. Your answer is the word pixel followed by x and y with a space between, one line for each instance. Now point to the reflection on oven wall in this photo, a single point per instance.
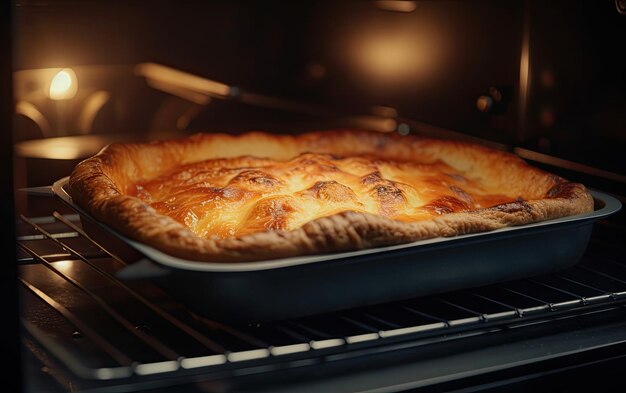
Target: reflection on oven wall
pixel 452 64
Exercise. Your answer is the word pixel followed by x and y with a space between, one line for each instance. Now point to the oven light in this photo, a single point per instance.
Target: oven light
pixel 63 85
pixel 390 56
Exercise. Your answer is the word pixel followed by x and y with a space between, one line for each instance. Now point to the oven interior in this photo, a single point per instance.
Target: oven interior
pixel 544 81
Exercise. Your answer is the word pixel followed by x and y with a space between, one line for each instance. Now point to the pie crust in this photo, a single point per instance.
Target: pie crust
pixel 257 196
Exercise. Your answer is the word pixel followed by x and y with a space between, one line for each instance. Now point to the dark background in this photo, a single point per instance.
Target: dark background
pixel 9 340
pixel 444 55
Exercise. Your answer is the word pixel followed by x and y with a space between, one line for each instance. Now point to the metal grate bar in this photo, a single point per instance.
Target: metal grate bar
pixel 215 326
pixel 587 268
pixel 308 329
pixel 46 248
pixel 80 230
pixel 611 267
pixel 272 334
pixel 449 303
pixel 206 342
pixel 557 289
pixel 619 264
pixel 50 219
pixel 155 344
pixel 451 314
pixel 358 323
pixel 63 235
pixel 581 283
pixel 606 283
pixel 524 295
pixel 579 299
pixel 100 341
pixel 425 315
pixel 293 334
pixel 569 285
pixel 378 318
pixel 515 300
pixel 489 311
pixel 521 311
pixel 381 321
pixel 335 331
pixel 396 317
pixel 331 326
pixel 492 300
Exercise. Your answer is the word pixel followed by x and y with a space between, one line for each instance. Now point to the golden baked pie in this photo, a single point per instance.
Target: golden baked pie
pixel 217 197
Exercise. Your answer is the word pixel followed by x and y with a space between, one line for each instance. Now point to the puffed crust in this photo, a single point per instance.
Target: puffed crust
pixel 369 179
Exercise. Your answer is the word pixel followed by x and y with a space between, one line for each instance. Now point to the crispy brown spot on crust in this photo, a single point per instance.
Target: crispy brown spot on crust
pixel 273 213
pixel 464 196
pixel 313 163
pixel 389 191
pixel 562 190
pixel 256 180
pixel 446 205
pixel 331 191
pixel 371 178
pixel 457 177
pixel 389 196
pixel 386 192
pixel 313 159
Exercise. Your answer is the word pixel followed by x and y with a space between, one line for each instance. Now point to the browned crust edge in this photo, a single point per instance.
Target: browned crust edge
pixel 98 186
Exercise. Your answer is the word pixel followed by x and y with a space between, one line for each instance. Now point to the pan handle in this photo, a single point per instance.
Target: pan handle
pixel 142 269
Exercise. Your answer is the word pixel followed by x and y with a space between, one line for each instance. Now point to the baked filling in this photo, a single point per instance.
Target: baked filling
pixel 234 197
pixel 257 196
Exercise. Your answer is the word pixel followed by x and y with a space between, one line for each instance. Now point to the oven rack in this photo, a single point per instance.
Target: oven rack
pixel 109 332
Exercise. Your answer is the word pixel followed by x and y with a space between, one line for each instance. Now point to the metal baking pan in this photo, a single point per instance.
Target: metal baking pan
pixel 306 285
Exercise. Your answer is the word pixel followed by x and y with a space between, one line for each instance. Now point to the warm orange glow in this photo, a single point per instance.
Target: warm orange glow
pixel 66 266
pixel 374 123
pixel 92 106
pixel 384 111
pixel 29 110
pixel 64 148
pixel 63 85
pixel 396 5
pixel 67 152
pixel 395 55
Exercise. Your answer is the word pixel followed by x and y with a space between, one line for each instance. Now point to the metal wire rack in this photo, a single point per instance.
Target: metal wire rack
pixel 110 331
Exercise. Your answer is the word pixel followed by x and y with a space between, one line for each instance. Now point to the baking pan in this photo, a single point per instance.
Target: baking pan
pixel 306 285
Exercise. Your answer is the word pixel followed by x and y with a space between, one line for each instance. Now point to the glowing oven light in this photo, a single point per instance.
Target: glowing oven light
pixel 63 85
pixel 391 56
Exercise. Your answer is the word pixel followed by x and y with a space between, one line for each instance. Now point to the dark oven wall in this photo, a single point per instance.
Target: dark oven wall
pixel 577 100
pixel 542 75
